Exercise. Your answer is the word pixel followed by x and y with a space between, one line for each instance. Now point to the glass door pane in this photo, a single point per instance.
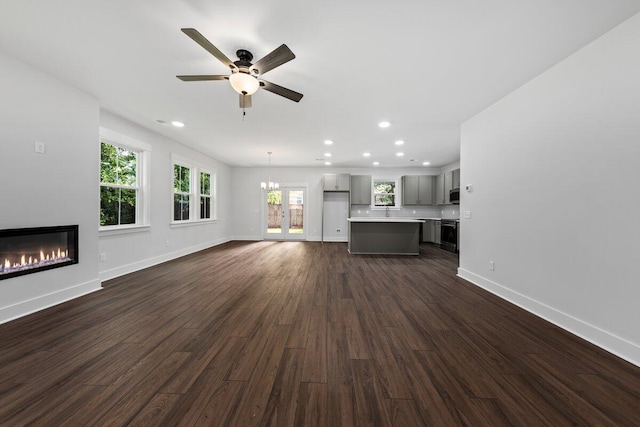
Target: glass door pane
pixel 296 212
pixel 274 212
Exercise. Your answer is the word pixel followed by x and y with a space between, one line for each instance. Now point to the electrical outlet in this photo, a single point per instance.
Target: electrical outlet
pixel 338 230
pixel 103 257
pixel 492 265
pixel 166 243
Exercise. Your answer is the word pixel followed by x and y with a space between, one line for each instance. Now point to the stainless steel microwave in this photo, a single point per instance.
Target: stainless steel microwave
pixel 454 196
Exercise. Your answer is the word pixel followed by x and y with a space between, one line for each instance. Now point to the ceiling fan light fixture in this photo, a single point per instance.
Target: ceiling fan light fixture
pixel 244 83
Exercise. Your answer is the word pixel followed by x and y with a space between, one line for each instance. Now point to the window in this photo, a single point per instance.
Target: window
pixel 384 193
pixel 192 185
pixel 181 192
pixel 119 185
pixel 205 195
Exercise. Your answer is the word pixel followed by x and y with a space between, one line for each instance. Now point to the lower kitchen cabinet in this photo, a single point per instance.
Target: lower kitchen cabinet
pixel 431 231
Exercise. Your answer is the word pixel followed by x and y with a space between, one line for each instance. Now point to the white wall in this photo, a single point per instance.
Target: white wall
pixel 132 251
pixel 248 213
pixel 55 188
pixel 554 168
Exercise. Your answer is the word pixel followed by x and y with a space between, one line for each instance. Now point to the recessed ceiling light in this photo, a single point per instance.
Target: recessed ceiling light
pixel 399 142
pixel 366 154
pixel 384 124
pixel 327 163
pixel 327 154
pixel 426 163
pixel 376 163
pixel 177 124
pixel 328 142
pixel 399 154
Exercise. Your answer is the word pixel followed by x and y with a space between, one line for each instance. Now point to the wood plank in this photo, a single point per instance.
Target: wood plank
pixel 294 333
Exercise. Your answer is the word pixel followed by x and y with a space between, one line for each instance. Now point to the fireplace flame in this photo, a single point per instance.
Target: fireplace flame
pixel 56 256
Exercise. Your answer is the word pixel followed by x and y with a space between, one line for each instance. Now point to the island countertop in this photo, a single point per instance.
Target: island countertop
pixel 383 219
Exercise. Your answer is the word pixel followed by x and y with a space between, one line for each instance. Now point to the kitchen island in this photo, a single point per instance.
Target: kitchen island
pixel 384 236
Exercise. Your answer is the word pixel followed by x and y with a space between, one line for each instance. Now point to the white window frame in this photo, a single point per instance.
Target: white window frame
pixel 397 201
pixel 196 169
pixel 210 196
pixel 143 151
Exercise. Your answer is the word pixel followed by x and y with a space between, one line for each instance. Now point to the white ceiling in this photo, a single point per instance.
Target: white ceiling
pixel 424 65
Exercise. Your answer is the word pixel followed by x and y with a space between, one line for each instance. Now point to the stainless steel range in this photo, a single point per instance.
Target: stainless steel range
pixel 449 235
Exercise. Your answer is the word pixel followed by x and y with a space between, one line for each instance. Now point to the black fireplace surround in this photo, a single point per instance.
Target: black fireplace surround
pixel 30 250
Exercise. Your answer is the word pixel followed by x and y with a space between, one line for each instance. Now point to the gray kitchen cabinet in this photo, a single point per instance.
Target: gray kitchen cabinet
pixel 427 231
pixel 439 190
pixel 417 190
pixel 336 182
pixel 431 231
pixel 456 179
pixel 360 189
pixel 436 232
pixel 448 185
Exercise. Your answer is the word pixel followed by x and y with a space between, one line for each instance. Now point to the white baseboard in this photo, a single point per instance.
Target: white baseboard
pixel 603 339
pixel 150 262
pixel 42 302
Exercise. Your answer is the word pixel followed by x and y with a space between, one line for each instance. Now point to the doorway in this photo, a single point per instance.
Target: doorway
pixel 285 214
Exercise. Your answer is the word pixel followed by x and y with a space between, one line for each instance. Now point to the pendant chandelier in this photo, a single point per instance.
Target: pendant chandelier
pixel 269 185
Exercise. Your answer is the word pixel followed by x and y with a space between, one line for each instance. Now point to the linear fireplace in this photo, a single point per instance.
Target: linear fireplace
pixel 29 250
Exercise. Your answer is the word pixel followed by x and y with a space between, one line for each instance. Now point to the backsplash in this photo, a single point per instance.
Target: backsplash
pixel 447 212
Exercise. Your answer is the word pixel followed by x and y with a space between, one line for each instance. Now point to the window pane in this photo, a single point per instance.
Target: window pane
pixel 128 206
pixel 205 207
pixel 109 202
pixel 180 207
pixel 384 187
pixel 108 163
pixel 181 179
pixel 385 199
pixel 205 183
pixel 127 163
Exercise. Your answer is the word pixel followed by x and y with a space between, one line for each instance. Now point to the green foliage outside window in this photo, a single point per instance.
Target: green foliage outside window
pixel 181 190
pixel 205 195
pixel 384 193
pixel 118 185
pixel 274 197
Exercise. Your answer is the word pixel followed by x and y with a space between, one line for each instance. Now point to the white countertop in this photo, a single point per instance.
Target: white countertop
pixel 383 219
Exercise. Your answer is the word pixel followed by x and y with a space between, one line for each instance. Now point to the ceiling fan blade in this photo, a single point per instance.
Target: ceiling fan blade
pixel 202 78
pixel 206 44
pixel 282 91
pixel 274 59
pixel 245 101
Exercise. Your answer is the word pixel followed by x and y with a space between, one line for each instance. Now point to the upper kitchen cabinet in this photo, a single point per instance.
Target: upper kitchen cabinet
pixel 360 189
pixel 444 183
pixel 440 190
pixel 455 179
pixel 417 190
pixel 448 185
pixel 336 182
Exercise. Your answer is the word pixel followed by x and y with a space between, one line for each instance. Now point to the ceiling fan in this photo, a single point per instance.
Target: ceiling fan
pixel 245 77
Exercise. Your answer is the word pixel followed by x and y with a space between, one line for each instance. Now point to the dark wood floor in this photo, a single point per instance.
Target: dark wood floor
pixel 291 333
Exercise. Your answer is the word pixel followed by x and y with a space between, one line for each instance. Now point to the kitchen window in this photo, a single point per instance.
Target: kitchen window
pixel 385 193
pixel 122 181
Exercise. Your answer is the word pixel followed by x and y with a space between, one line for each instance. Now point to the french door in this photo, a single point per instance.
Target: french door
pixel 285 214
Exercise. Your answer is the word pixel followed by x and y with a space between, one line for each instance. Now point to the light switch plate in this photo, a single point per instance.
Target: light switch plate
pixel 467 214
pixel 39 147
